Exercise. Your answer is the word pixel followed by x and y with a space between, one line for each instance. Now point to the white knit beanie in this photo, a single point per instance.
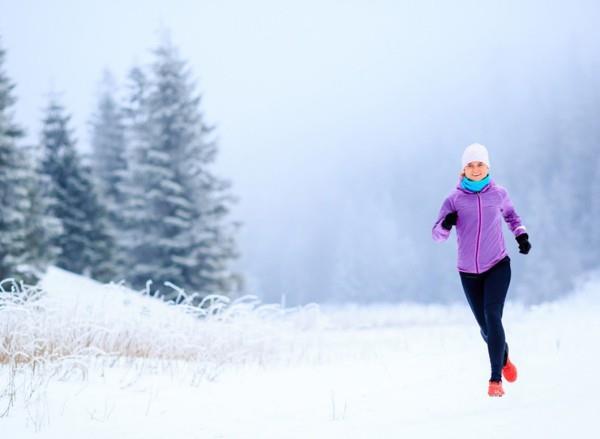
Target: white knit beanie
pixel 475 152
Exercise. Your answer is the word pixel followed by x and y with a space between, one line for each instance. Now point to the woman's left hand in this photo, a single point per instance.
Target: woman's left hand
pixel 524 244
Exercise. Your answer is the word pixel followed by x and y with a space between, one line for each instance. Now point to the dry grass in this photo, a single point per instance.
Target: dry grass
pixel 43 337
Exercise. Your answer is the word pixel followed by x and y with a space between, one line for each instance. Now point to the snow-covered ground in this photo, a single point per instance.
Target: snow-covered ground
pixel 119 365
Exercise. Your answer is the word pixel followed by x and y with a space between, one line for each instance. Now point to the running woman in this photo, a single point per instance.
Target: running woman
pixel 476 207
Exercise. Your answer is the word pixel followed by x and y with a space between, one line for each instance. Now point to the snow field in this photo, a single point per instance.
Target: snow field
pixel 350 372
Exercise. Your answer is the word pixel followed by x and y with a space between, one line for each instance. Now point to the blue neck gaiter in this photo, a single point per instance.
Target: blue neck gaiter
pixel 475 186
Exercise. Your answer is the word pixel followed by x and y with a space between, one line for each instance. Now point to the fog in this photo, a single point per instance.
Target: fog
pixel 342 124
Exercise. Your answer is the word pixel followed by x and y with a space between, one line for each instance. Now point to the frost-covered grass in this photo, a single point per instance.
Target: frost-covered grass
pixel 67 321
pixel 116 324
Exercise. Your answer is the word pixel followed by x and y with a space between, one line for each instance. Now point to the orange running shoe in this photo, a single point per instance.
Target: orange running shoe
pixel 509 371
pixel 495 388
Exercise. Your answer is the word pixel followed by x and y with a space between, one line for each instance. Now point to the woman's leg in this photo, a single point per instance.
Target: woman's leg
pixel 495 288
pixel 484 335
pixel 473 287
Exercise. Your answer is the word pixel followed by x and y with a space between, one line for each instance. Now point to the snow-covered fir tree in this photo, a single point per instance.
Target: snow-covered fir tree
pixel 85 244
pixel 181 233
pixel 109 164
pixel 21 237
pixel 40 227
pixel 135 121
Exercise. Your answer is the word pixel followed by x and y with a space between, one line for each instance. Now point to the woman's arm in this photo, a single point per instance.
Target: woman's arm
pixel 510 216
pixel 438 233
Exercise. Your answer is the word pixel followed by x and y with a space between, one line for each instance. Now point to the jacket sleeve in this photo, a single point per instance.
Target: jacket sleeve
pixel 510 216
pixel 438 233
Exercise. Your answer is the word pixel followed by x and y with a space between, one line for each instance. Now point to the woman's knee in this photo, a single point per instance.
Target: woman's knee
pixel 493 315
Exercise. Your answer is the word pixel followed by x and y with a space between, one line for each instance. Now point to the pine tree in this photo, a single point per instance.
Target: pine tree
pixel 135 121
pixel 183 237
pixel 19 255
pixel 109 165
pixel 39 227
pixel 85 244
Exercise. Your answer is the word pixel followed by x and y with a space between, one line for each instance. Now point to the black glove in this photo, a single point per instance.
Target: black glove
pixel 524 245
pixel 450 220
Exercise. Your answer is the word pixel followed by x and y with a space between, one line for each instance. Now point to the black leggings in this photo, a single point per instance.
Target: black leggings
pixel 486 293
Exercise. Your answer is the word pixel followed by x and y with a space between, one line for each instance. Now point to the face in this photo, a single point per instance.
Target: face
pixel 476 171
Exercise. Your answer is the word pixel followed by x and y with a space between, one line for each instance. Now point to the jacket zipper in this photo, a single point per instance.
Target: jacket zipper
pixel 478 233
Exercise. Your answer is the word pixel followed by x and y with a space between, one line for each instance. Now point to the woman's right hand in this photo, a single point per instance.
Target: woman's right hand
pixel 450 220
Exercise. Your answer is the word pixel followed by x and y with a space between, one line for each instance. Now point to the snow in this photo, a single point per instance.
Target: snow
pixel 390 371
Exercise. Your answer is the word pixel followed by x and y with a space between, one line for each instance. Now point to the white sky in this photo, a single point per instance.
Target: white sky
pixel 306 94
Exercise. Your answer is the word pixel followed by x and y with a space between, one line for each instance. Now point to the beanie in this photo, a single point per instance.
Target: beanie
pixel 475 152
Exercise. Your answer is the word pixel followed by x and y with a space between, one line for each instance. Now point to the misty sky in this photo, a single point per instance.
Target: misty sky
pixel 319 105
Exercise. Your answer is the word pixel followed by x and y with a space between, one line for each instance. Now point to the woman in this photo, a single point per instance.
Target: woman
pixel 476 207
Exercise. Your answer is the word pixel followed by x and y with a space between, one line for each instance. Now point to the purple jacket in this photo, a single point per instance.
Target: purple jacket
pixel 479 225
